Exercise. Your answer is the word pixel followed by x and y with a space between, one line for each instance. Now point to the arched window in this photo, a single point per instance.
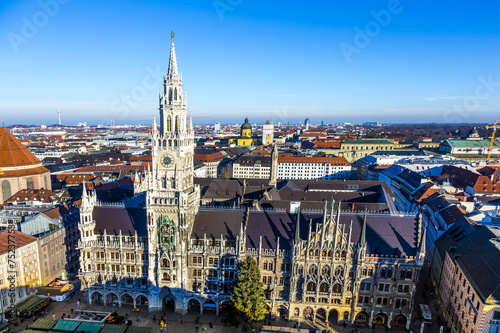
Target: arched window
pixel 29 184
pixel 169 124
pixel 383 273
pixel 313 269
pixel 166 263
pixel 311 286
pixel 389 273
pixel 323 253
pixel 346 315
pixel 339 271
pixel 176 123
pixel 370 272
pixel 323 287
pixel 170 95
pixel 409 273
pixel 270 265
pixel 175 94
pixel 330 253
pixel 264 266
pixel 325 270
pixel 316 253
pixel 336 288
pixel 6 190
pixel 301 269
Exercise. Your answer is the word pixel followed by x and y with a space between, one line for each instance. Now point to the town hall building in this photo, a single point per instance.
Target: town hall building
pixel 329 251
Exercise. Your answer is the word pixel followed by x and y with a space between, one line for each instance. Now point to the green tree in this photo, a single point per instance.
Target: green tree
pixel 247 297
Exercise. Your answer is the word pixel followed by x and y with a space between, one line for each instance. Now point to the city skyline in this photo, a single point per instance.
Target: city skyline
pixel 388 61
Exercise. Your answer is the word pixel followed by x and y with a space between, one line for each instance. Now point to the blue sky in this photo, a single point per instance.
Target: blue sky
pixel 421 61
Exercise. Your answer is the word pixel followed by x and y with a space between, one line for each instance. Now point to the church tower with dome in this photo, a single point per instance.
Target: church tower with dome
pixel 245 138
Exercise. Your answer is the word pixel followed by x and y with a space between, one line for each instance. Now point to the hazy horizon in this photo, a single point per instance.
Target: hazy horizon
pixel 380 61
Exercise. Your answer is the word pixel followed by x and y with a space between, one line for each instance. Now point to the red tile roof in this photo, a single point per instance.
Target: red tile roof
pixel 17 238
pixel 13 153
pixel 32 195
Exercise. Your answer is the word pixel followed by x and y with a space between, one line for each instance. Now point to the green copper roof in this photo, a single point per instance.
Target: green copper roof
pixel 485 143
pixel 246 124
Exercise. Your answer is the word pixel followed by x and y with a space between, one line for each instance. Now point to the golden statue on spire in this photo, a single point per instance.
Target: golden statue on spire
pixel 172 34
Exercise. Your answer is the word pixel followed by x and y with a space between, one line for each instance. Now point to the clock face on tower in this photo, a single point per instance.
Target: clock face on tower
pixel 166 160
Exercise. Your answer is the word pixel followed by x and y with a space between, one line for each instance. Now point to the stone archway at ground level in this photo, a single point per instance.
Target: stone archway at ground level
pixel 362 318
pixel 380 319
pixel 308 313
pixel 142 300
pixel 111 299
pixel 333 317
pixel 283 311
pixel 399 321
pixel 223 308
pixel 168 304
pixel 209 307
pixel 96 298
pixel 321 316
pixel 194 306
pixel 126 299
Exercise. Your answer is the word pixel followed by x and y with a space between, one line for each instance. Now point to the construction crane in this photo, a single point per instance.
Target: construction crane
pixel 494 127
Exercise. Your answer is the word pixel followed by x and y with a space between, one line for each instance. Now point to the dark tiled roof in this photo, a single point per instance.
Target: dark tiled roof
pixel 479 249
pixel 385 234
pixel 114 219
pixel 451 214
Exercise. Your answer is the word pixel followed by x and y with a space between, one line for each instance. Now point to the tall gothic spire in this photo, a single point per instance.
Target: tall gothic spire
pixel 172 64
pixel 362 240
pixel 297 228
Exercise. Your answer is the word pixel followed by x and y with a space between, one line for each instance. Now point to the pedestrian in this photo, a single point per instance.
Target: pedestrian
pixel 181 321
pixel 63 315
pixel 54 316
pixel 126 315
pixel 78 304
pixel 71 310
pixel 210 325
pixel 373 330
pixel 196 329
